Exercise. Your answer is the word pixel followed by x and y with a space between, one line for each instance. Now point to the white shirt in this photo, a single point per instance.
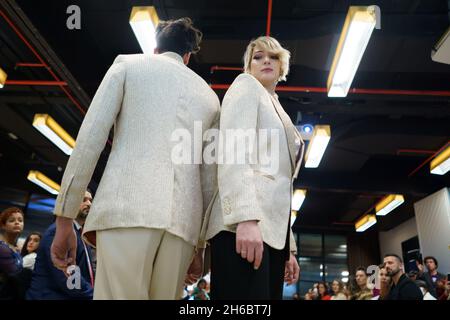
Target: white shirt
pixel 29 260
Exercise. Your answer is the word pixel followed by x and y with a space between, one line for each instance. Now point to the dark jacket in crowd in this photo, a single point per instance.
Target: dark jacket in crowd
pixel 426 276
pixel 50 283
pixel 405 289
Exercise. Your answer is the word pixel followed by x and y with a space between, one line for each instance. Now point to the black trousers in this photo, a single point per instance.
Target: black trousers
pixel 233 278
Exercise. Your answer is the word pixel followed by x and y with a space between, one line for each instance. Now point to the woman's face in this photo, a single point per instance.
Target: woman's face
pixel 33 243
pixel 335 287
pixel 321 289
pixel 384 278
pixel 265 66
pixel 14 224
pixel 361 278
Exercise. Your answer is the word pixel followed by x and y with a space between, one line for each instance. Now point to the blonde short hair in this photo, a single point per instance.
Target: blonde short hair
pixel 272 45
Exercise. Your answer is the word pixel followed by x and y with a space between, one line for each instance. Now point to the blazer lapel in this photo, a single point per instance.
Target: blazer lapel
pixel 300 154
pixel 290 130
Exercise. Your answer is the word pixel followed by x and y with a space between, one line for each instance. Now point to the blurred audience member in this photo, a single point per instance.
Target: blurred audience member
pixel 402 288
pixel 441 291
pixel 29 250
pixel 361 291
pixel 322 289
pixel 337 287
pixel 14 280
pixel 49 282
pixel 199 292
pixel 423 286
pixel 385 283
pixel 432 275
pixel 11 225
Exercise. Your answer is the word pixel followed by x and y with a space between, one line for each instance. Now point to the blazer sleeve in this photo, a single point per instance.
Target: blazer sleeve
pixel 208 171
pixel 91 140
pixel 236 180
pixel 208 175
pixel 292 243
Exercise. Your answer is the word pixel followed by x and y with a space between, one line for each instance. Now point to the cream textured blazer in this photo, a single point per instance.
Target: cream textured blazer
pixel 146 98
pixel 253 191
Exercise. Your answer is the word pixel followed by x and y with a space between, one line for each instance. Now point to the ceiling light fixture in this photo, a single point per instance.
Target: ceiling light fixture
pixel 54 132
pixel 43 181
pixel 441 163
pixel 355 35
pixel 365 222
pixel 316 147
pixel 143 21
pixel 388 203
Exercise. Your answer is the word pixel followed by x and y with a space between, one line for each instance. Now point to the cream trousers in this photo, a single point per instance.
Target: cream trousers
pixel 140 264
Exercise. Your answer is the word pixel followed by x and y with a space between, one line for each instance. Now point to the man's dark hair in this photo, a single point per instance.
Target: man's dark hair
pixel 431 258
pixel 179 36
pixel 393 255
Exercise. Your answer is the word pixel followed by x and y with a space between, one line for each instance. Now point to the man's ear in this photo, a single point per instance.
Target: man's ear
pixel 156 51
pixel 186 58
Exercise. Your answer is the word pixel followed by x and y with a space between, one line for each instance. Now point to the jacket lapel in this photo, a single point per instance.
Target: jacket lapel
pixel 291 134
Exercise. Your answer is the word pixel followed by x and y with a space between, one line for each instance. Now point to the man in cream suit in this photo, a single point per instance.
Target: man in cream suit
pixel 148 210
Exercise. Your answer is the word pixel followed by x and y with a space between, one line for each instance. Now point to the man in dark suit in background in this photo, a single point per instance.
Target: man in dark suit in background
pixel 50 283
pixel 402 288
pixel 432 276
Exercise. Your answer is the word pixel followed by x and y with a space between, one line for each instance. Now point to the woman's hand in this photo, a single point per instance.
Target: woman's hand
pixel 249 243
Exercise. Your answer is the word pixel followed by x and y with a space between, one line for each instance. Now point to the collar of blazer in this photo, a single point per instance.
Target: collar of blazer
pixel 173 55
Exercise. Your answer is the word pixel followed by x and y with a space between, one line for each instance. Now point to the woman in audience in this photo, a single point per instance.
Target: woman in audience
pixel 385 282
pixel 338 290
pixel 323 291
pixel 29 250
pixel 360 291
pixel 11 225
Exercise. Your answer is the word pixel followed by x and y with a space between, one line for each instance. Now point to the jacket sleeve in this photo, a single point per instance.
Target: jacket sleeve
pixel 238 123
pixel 208 175
pixel 292 243
pixel 59 278
pixel 208 171
pixel 91 140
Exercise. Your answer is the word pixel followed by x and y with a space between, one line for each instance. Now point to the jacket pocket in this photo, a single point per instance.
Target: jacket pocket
pixel 263 174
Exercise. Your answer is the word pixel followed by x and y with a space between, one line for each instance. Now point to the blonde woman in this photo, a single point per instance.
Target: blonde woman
pixel 252 246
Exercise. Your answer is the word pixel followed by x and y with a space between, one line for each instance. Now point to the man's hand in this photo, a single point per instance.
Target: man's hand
pixel 195 269
pixel 64 247
pixel 249 243
pixel 291 270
